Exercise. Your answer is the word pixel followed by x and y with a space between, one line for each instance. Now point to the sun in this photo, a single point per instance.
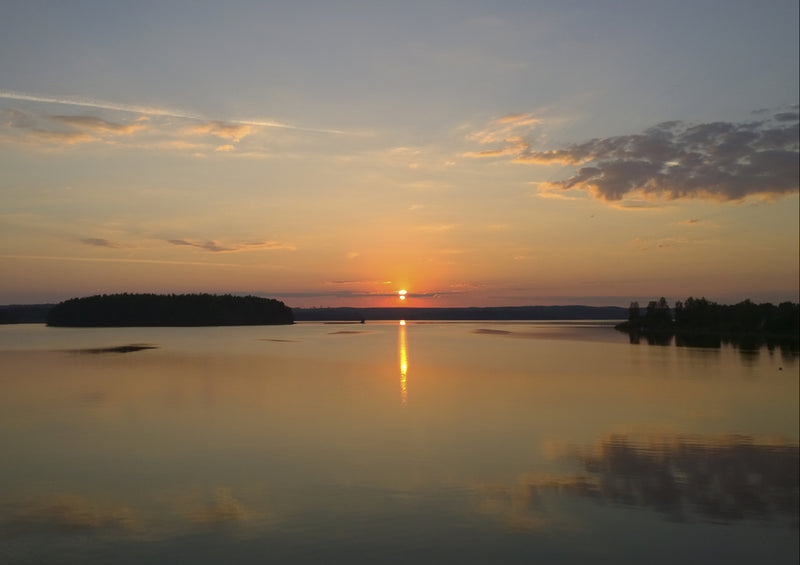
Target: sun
pixel 402 294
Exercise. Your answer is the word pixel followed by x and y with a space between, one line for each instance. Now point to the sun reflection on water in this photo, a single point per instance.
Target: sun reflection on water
pixel 402 348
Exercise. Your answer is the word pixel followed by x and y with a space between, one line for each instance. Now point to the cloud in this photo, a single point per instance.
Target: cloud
pixel 228 131
pixel 62 514
pixel 95 103
pixel 65 130
pixel 118 260
pixel 510 132
pixel 514 146
pixel 721 161
pixel 87 102
pixel 717 479
pixel 344 293
pixel 436 228
pixel 99 242
pixel 216 247
pixel 94 124
pixel 224 508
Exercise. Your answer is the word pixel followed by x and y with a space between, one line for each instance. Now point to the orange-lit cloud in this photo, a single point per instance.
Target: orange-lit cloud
pixel 133 127
pixel 91 123
pixel 229 131
pixel 436 228
pixel 223 508
pixel 63 514
pixel 94 103
pixel 46 129
pixel 510 132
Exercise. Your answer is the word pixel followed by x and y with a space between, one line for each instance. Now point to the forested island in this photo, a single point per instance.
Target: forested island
pixel 697 321
pixel 118 310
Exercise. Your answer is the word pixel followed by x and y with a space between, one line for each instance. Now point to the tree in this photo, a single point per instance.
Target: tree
pixel 633 313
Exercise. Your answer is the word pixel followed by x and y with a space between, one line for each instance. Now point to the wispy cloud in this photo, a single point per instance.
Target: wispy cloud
pixel 98 104
pixel 228 131
pixel 145 110
pixel 216 247
pixel 63 514
pixel 224 508
pixel 721 161
pixel 91 123
pixel 436 228
pixel 42 128
pixel 99 242
pixel 120 260
pixel 508 135
pixel 660 243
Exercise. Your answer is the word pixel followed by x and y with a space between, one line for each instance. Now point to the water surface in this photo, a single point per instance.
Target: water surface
pixel 387 443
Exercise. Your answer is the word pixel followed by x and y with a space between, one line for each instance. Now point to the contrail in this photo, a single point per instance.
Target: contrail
pixel 102 104
pixel 148 110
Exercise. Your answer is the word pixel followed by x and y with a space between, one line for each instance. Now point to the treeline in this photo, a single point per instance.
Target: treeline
pixel 698 315
pixel 24 313
pixel 116 310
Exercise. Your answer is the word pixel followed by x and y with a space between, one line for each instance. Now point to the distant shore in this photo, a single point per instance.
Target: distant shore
pixel 37 313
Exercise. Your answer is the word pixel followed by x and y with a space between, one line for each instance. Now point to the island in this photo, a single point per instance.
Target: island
pixel 120 310
pixel 700 322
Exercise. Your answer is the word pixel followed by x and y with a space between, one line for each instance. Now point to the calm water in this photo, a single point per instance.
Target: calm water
pixel 386 443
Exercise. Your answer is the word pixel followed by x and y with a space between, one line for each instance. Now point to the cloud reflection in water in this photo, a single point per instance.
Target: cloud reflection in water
pixel 713 479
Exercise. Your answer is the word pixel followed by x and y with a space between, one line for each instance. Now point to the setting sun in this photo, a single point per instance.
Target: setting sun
pixel 402 294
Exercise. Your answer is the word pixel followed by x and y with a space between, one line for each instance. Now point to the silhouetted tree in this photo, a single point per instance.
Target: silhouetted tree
pixel 634 313
pixel 658 316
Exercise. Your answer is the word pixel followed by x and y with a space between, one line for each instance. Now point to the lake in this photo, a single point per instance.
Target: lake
pixel 428 442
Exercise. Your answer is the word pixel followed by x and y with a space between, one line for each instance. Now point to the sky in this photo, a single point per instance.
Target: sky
pixel 334 153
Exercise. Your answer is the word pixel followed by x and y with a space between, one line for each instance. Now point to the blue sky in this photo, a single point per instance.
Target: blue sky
pixel 336 152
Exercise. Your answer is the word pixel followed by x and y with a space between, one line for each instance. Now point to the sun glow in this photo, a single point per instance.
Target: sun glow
pixel 402 294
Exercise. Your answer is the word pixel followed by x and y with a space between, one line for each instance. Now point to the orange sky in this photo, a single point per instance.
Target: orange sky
pixel 336 164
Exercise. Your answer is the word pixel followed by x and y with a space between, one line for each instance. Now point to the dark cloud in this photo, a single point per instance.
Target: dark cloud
pixel 717 160
pixel 216 247
pixel 99 242
pixel 355 294
pixel 207 245
pixel 787 116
